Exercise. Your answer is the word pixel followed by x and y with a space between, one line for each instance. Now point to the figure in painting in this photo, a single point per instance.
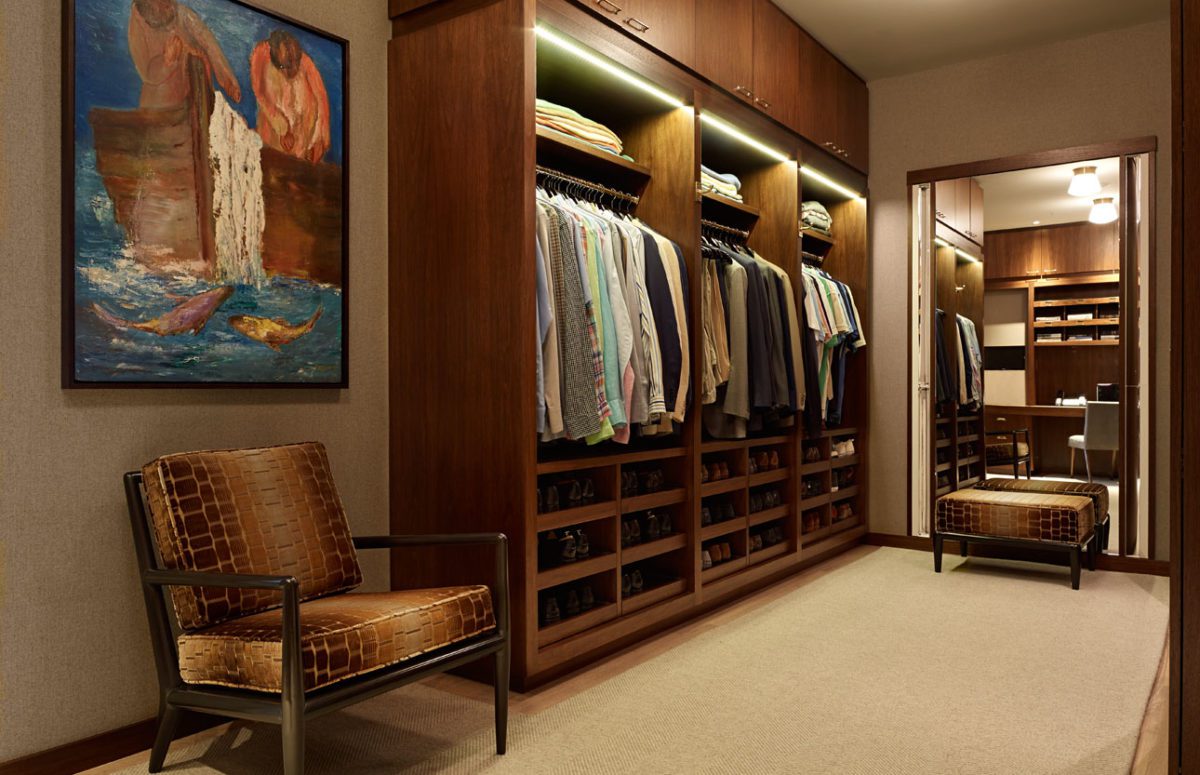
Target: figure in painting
pixel 293 107
pixel 162 33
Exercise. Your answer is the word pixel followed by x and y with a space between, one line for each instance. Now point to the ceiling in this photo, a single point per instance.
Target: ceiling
pixel 1012 200
pixel 882 38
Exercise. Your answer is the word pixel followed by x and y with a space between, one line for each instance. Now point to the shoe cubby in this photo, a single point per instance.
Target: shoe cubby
pixel 652 484
pixel 768 540
pixel 767 503
pixel 722 472
pixel 768 463
pixel 814 455
pixel 726 555
pixel 652 532
pixel 843 515
pixel 568 608
pixel 575 496
pixel 652 580
pixel 722 514
pixel 576 545
pixel 814 490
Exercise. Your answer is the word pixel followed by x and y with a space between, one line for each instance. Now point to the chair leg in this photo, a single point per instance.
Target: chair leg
pixel 1072 462
pixel 1087 463
pixel 1016 468
pixel 937 553
pixel 168 723
pixel 1028 470
pixel 1075 569
pixel 502 676
pixel 293 740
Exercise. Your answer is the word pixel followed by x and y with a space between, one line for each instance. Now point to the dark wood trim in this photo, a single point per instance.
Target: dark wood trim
pixel 1147 144
pixel 67 215
pixel 1174 464
pixel 103 748
pixel 1103 561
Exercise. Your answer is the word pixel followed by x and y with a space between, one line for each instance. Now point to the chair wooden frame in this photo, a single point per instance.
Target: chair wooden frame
pixel 294 706
pixel 1014 459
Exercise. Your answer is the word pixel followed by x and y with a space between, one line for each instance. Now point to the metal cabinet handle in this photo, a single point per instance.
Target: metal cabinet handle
pixel 829 144
pixel 637 24
pixel 605 5
pixel 762 103
pixel 742 90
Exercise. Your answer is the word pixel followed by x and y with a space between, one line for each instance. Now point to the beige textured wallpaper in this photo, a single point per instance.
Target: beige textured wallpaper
pixel 74 648
pixel 1111 86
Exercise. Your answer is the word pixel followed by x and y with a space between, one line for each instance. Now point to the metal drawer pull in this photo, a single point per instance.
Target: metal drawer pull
pixel 605 5
pixel 637 24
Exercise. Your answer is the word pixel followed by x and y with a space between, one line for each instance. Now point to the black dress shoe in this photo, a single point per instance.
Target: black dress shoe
pixel 572 603
pixel 653 529
pixel 705 516
pixel 626 534
pixel 664 524
pixel 567 548
pixel 635 532
pixel 540 507
pixel 588 492
pixel 626 585
pixel 636 582
pixel 574 494
pixel 551 499
pixel 551 613
pixel 587 598
pixel 583 548
pixel 727 510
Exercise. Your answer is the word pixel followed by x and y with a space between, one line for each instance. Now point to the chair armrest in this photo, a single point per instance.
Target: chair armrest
pixel 184 578
pixel 500 593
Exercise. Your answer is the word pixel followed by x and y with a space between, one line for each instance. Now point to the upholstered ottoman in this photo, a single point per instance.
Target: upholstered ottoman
pixel 1097 492
pixel 1043 520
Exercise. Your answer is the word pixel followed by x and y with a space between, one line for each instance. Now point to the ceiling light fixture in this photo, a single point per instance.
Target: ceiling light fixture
pixel 738 134
pixel 1104 210
pixel 547 34
pixel 1084 182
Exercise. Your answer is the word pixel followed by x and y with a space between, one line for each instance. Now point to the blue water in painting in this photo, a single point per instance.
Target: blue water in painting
pixel 106 275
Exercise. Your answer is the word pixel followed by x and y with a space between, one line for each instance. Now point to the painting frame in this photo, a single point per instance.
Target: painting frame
pixel 69 379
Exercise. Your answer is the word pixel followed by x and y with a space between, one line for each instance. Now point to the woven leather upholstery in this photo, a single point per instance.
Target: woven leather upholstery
pixel 1027 515
pixel 273 510
pixel 1002 451
pixel 1097 492
pixel 341 636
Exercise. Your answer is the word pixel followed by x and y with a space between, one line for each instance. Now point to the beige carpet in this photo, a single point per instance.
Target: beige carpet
pixel 880 666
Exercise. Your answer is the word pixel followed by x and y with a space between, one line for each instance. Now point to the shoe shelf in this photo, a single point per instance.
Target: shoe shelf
pixel 818 467
pixel 718 529
pixel 768 477
pixel 943 467
pixel 842 462
pixel 815 502
pixel 653 500
pixel 639 552
pixel 580 515
pixel 814 536
pixel 844 493
pixel 723 486
pixel 943 443
pixel 969 482
pixel 652 595
pixel 968 438
pixel 834 433
pixel 832 539
pixel 768 515
pixel 966 461
pixel 564 464
pixel 573 625
pixel 573 571
pixel 845 524
pixel 770 552
pixel 722 446
pixel 723 569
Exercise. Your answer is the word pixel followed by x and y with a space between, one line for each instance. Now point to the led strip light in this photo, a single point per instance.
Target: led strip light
pixel 545 33
pixel 957 251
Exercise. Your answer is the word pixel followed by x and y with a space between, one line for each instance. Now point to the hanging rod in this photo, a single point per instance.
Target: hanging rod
pixel 552 173
pixel 723 228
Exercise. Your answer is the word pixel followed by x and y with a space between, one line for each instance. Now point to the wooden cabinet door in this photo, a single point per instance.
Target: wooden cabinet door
pixel 1066 249
pixel 666 25
pixel 976 226
pixel 725 44
pixel 853 118
pixel 819 93
pixel 945 201
pixel 776 63
pixel 962 198
pixel 1104 252
pixel 1000 261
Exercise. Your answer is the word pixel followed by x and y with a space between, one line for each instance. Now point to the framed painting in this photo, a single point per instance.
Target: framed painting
pixel 205 197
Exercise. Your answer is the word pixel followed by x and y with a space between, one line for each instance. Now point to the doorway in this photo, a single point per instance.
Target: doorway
pixel 1030 322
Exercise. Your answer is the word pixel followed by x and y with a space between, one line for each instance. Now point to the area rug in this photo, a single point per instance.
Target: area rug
pixel 880 666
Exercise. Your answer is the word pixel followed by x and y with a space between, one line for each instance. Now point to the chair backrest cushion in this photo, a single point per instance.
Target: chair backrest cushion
pixel 1102 425
pixel 272 510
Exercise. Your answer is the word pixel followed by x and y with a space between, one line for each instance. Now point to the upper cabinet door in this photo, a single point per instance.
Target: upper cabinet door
pixel 725 44
pixel 819 93
pixel 976 212
pixel 853 118
pixel 962 220
pixel 666 25
pixel 946 202
pixel 776 63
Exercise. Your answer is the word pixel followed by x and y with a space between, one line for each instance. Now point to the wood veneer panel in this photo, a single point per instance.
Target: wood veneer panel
pixel 461 237
pixel 725 42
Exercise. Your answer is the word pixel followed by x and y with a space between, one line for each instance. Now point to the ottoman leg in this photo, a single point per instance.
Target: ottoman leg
pixel 937 553
pixel 1092 550
pixel 962 546
pixel 1075 570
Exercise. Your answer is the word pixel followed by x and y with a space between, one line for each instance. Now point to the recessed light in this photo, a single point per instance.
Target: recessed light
pixel 1037 223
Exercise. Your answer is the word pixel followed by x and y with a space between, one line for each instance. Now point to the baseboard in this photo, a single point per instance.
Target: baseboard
pixel 103 748
pixel 1103 562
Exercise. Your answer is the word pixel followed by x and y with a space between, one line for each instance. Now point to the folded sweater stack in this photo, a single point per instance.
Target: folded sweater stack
pixel 725 184
pixel 813 215
pixel 569 122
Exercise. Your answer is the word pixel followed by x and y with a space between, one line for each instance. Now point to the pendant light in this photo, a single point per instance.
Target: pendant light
pixel 1085 182
pixel 1104 210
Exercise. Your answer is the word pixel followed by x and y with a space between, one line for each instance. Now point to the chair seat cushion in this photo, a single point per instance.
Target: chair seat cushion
pixel 1077 441
pixel 1097 492
pixel 341 636
pixel 1035 516
pixel 1002 451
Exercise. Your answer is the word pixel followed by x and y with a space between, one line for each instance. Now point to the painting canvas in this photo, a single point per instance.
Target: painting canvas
pixel 205 165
